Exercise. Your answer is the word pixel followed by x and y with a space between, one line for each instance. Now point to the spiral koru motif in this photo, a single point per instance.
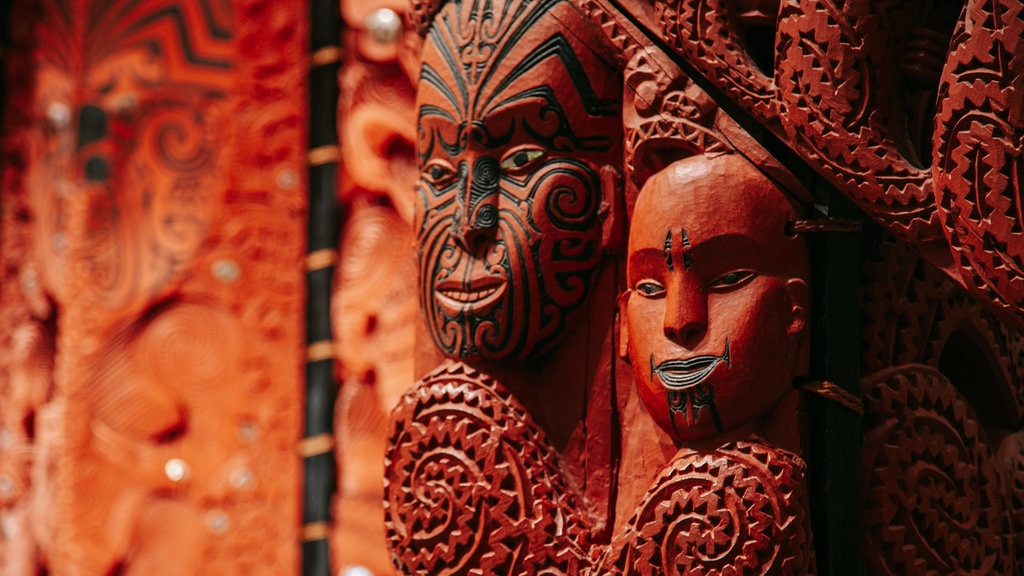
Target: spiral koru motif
pixel 189 346
pixel 472 485
pixel 932 492
pixel 738 509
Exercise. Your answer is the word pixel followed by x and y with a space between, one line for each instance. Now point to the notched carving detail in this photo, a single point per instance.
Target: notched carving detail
pixel 473 486
pixel 932 492
pixel 729 510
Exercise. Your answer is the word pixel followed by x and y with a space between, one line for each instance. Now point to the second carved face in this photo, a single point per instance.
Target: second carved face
pixel 717 301
pixel 516 119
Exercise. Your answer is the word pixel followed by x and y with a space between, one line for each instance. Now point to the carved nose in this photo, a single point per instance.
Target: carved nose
pixel 478 213
pixel 686 315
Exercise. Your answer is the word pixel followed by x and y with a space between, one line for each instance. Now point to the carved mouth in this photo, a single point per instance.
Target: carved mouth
pixel 683 374
pixel 476 295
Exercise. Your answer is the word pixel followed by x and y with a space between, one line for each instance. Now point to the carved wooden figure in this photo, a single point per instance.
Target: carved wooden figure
pixel 167 246
pixel 715 322
pixel 374 304
pixel 518 142
pixel 518 122
pixel 715 317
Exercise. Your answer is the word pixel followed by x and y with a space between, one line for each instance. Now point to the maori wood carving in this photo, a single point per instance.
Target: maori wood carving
pixel 473 485
pixel 934 500
pixel 516 121
pixel 908 108
pixel 944 392
pixel 715 319
pixel 739 508
pixel 374 304
pixel 517 215
pixel 158 252
pixel 715 326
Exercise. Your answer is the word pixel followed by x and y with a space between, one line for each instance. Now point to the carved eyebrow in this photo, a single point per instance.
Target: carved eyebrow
pixel 558 47
pixel 727 246
pixel 552 106
pixel 643 258
pixel 428 110
pixel 430 77
pixel 668 251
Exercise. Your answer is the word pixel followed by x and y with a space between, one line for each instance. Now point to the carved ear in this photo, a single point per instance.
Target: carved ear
pixel 613 211
pixel 623 326
pixel 800 305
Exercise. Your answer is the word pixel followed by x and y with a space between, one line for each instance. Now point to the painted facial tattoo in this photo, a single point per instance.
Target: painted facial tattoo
pixel 717 301
pixel 516 118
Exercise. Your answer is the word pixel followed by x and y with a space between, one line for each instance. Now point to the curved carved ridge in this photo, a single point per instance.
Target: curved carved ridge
pixel 702 31
pixel 472 485
pixel 910 311
pixel 932 492
pixel 1011 461
pixel 978 157
pixel 853 92
pixel 738 509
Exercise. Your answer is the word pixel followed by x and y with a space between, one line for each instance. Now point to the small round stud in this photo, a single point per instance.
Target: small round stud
pixel 225 270
pixel 217 521
pixel 58 115
pixel 176 470
pixel 384 25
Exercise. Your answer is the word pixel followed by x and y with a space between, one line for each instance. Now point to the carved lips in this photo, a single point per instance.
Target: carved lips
pixel 688 373
pixel 478 294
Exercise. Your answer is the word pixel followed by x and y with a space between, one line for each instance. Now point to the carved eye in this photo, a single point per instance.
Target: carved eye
pixel 439 173
pixel 649 288
pixel 731 280
pixel 521 159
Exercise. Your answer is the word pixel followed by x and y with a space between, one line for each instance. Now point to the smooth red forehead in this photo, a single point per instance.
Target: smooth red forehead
pixel 717 197
pixel 482 56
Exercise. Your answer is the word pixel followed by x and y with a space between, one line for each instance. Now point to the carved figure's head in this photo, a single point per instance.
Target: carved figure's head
pixel 518 116
pixel 716 311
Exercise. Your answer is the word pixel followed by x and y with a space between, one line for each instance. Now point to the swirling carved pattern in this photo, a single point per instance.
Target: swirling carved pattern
pixel 472 485
pixel 837 79
pixel 703 31
pixel 978 159
pixel 854 92
pixel 665 115
pixel 158 225
pixel 909 311
pixel 932 493
pixel 189 346
pixel 738 509
pixel 133 99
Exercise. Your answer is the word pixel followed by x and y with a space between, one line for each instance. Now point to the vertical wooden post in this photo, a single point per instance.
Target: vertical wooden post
pixel 318 446
pixel 834 435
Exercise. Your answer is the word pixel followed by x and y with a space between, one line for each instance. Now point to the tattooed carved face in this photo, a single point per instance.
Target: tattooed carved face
pixel 717 297
pixel 517 116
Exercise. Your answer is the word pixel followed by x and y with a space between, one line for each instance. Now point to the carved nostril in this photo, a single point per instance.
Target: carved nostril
pixel 686 333
pixel 692 334
pixel 97 169
pixel 92 125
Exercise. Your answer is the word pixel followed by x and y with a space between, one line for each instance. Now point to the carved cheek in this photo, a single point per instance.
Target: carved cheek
pixel 564 205
pixel 756 319
pixel 644 320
